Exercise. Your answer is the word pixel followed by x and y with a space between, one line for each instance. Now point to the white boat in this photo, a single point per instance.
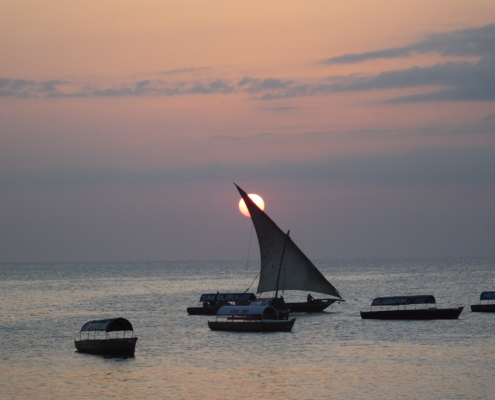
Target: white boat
pixel 285 267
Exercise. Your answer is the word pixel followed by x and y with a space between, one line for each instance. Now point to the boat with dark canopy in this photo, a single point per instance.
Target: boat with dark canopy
pixel 211 303
pixel 489 306
pixel 400 307
pixel 102 337
pixel 285 267
pixel 250 319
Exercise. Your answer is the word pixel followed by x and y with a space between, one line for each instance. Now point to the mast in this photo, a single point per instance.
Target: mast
pixel 281 261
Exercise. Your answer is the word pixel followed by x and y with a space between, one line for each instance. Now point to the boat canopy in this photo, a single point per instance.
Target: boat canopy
pixel 245 310
pixel 108 325
pixel 403 300
pixel 227 297
pixel 487 296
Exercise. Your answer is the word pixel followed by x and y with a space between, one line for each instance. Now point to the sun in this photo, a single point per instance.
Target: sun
pixel 256 199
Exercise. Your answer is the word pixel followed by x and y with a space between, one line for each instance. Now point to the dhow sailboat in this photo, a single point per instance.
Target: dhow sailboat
pixel 285 267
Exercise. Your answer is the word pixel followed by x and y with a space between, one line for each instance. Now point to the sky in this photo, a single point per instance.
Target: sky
pixel 368 127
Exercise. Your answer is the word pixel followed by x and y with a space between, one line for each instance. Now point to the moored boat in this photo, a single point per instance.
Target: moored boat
pixel 489 306
pixel 250 319
pixel 211 303
pixel 284 267
pixel 100 340
pixel 424 312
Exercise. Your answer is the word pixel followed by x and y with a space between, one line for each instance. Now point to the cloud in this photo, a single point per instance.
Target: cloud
pixel 424 167
pixel 489 118
pixel 271 88
pixel 16 87
pixel 449 81
pixel 462 81
pixel 459 81
pixel 150 87
pixel 471 42
pixel 283 108
pixel 485 126
pixel 256 85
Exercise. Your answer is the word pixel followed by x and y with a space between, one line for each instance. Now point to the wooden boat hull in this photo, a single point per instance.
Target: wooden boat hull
pixel 210 310
pixel 422 314
pixel 309 307
pixel 483 308
pixel 252 326
pixel 112 347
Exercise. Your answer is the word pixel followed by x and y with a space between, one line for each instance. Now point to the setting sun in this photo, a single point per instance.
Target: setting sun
pixel 256 199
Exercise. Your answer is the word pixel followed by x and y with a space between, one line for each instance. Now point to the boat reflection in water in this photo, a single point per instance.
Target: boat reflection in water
pixel 423 312
pixel 102 337
pixel 251 319
pixel 485 307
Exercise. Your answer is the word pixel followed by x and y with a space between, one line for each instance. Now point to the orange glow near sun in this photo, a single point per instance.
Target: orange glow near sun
pixel 257 200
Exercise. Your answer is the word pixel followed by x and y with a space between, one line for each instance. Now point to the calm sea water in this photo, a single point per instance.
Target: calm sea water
pixel 332 355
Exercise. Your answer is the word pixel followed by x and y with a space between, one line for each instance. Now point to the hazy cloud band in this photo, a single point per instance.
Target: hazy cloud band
pixel 471 42
pixel 449 81
pixel 439 167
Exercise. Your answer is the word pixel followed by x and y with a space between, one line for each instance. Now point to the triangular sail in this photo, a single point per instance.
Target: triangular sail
pixel 296 271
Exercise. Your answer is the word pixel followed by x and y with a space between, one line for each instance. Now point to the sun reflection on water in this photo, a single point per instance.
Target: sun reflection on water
pixel 329 355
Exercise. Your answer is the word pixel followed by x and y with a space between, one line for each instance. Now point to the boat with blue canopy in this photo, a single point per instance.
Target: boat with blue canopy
pixel 251 319
pixel 211 302
pixel 488 306
pixel 409 307
pixel 107 337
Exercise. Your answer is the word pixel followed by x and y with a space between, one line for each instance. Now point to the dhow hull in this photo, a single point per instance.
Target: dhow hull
pixel 309 307
pixel 203 310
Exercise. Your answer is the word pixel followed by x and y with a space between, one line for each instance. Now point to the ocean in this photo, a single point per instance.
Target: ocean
pixel 330 355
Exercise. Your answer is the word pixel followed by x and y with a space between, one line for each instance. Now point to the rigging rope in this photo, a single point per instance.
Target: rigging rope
pixel 249 250
pixel 142 348
pixel 253 281
pixel 264 267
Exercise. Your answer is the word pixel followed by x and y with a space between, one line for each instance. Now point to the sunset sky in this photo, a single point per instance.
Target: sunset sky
pixel 368 127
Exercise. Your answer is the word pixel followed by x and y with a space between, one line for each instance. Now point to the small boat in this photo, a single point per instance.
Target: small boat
pixel 284 267
pixel 485 307
pixel 95 338
pixel 250 319
pixel 423 312
pixel 210 303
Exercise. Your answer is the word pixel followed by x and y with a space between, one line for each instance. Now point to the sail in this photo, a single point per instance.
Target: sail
pixel 296 272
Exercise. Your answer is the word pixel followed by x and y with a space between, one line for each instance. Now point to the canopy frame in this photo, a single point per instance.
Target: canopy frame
pixel 107 325
pixel 403 300
pixel 487 296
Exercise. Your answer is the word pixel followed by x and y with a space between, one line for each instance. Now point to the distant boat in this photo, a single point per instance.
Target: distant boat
pixel 406 312
pixel 250 319
pixel 486 307
pixel 285 267
pixel 96 337
pixel 211 303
